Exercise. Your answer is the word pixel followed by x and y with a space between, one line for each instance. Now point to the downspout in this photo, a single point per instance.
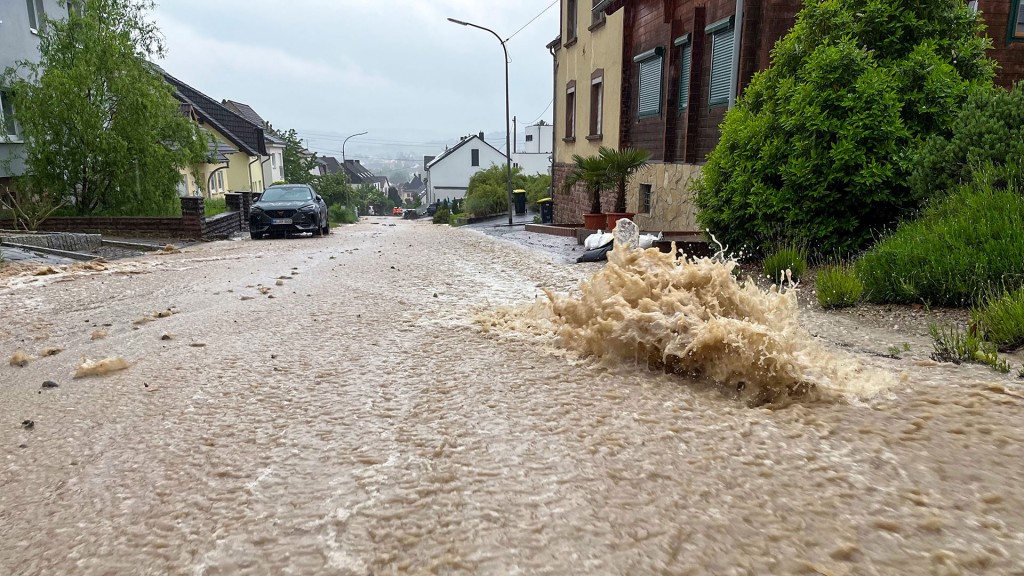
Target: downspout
pixel 253 161
pixel 737 45
pixel 554 111
pixel 263 169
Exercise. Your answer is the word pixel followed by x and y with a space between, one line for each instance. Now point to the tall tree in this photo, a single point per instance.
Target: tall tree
pixel 102 129
pixel 820 146
pixel 297 160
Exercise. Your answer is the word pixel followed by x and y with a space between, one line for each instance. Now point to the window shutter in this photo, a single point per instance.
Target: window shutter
pixel 650 86
pixel 684 76
pixel 721 65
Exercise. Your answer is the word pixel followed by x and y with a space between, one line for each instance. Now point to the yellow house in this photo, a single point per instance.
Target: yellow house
pixel 588 88
pixel 238 148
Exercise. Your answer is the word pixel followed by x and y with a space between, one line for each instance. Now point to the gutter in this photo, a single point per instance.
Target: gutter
pixel 251 162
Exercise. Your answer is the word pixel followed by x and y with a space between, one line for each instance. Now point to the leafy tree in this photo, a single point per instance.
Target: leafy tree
pixel 102 129
pixel 297 162
pixel 537 186
pixel 820 146
pixel 487 193
pixel 393 195
pixel 335 189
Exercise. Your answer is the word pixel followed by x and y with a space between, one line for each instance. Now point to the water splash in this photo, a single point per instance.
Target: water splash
pixel 691 316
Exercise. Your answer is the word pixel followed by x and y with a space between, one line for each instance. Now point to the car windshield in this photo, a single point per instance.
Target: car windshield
pixel 286 194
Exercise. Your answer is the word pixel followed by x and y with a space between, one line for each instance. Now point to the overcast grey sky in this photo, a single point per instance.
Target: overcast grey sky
pixel 395 68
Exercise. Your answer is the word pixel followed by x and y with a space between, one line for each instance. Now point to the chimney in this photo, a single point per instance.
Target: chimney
pixel 481 135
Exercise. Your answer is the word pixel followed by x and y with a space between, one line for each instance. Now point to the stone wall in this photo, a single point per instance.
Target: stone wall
pixel 570 205
pixel 672 208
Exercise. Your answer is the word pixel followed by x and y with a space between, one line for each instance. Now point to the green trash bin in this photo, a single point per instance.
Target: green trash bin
pixel 547 210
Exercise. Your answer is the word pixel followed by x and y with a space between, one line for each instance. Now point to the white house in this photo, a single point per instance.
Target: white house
pixel 447 175
pixel 534 157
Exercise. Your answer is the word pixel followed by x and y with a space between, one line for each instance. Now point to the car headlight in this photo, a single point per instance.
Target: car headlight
pixel 308 208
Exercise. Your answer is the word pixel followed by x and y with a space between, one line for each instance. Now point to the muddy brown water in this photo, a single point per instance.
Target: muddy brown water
pixel 356 423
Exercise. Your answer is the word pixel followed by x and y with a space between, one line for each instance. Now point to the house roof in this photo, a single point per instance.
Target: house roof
pixel 357 173
pixel 245 111
pixel 414 185
pixel 247 136
pixel 331 163
pixel 464 141
pixel 218 151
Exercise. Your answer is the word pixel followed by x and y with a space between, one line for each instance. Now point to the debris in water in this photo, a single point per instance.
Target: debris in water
pixel 100 367
pixel 98 334
pixel 50 384
pixel 167 336
pixel 246 298
pixel 197 344
pixel 169 249
pixel 51 351
pixel 28 424
pixel 280 282
pixel 46 271
pixel 264 289
pixel 20 359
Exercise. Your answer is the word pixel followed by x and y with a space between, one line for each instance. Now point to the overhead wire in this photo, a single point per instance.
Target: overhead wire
pixel 531 21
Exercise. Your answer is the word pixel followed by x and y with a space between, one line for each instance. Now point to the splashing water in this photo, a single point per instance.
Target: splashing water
pixel 691 316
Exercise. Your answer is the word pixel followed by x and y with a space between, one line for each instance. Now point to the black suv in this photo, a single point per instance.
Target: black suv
pixel 288 208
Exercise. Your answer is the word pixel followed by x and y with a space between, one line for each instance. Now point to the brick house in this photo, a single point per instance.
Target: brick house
pixel 683 64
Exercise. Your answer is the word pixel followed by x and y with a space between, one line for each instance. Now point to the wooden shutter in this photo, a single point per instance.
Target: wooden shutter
pixel 684 75
pixel 721 65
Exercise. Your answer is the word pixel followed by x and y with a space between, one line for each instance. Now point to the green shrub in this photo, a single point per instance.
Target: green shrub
pixel 962 248
pixel 790 258
pixel 342 214
pixel 214 206
pixel 1001 320
pixel 442 215
pixel 457 220
pixel 823 141
pixel 989 130
pixel 838 287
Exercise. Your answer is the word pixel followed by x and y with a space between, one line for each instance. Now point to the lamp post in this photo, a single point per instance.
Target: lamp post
pixel 508 145
pixel 346 142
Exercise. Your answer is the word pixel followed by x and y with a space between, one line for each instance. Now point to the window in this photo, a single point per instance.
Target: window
pixel 1017 21
pixel 570 111
pixel 570 21
pixel 75 7
pixel 596 102
pixel 685 55
pixel 475 157
pixel 645 198
pixel 529 137
pixel 220 183
pixel 8 128
pixel 650 82
pixel 35 15
pixel 596 16
pixel 721 60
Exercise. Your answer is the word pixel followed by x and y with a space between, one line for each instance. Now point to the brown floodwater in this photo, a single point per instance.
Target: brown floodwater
pixel 410 400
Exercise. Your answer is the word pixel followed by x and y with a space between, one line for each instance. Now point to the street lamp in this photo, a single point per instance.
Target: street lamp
pixel 508 145
pixel 346 142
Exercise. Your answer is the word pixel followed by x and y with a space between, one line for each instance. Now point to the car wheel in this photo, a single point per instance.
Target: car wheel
pixel 327 227
pixel 255 235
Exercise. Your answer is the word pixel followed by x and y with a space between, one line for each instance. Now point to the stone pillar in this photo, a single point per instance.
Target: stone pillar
pixel 193 215
pixel 247 198
pixel 233 201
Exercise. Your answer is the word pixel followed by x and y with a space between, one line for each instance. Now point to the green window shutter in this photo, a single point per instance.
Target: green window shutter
pixel 721 65
pixel 684 76
pixel 650 86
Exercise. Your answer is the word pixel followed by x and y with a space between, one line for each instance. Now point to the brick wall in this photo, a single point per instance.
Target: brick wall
pixel 570 205
pixel 1010 55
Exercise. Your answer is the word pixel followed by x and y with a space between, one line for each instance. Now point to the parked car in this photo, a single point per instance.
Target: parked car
pixel 288 208
pixel 432 207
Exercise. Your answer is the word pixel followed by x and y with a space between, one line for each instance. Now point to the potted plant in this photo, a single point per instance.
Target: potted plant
pixel 621 166
pixel 590 170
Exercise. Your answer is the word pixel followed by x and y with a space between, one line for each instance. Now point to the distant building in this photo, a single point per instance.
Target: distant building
pixel 534 157
pixel 359 174
pixel 448 174
pixel 411 190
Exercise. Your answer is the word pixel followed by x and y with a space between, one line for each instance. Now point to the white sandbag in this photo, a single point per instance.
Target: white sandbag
pixel 596 240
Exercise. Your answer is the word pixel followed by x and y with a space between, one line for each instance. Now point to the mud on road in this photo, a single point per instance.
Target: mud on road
pixel 331 406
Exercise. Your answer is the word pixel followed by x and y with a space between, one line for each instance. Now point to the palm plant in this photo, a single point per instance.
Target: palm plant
pixel 592 171
pixel 620 166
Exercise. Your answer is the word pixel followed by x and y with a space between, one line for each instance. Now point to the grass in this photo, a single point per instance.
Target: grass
pixel 951 344
pixel 341 215
pixel 963 248
pixel 215 206
pixel 1001 319
pixel 838 287
pixel 791 258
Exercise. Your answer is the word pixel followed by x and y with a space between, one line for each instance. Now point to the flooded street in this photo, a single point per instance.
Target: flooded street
pixel 335 406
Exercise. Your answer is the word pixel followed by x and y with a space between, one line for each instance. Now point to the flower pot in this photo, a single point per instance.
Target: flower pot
pixel 613 217
pixel 594 221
